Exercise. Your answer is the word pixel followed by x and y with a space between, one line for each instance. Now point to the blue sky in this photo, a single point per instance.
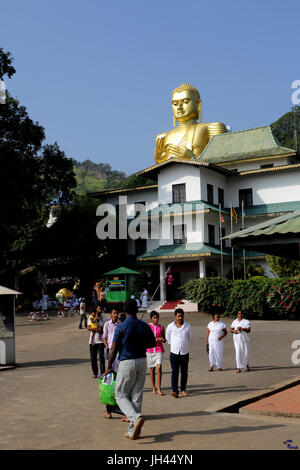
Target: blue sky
pixel 98 75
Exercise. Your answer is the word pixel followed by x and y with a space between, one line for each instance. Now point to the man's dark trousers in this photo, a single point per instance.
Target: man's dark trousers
pixel 179 362
pixel 95 349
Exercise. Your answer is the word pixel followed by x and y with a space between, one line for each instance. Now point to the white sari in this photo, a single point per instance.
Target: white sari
pixel 144 299
pixel 215 354
pixel 241 343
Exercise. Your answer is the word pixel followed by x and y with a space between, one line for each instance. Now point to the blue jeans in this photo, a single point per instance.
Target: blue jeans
pixel 179 362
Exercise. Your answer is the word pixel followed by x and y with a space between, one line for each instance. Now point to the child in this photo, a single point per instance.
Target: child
pixel 93 325
pixel 154 355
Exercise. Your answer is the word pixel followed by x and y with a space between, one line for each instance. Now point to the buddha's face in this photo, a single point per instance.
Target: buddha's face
pixel 185 106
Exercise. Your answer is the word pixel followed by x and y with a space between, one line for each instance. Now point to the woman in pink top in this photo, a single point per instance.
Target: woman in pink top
pixel 154 355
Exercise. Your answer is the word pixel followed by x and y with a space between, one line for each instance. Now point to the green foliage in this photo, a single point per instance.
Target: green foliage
pixel 283 267
pixel 284 298
pixel 210 293
pixel 92 177
pixel 249 296
pixel 6 67
pixel 135 180
pixel 87 182
pixel 283 128
pixel 257 297
pixel 31 175
pixel 251 270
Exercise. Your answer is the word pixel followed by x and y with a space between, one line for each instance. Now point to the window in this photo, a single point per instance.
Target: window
pixel 221 196
pixel 140 246
pixel 267 165
pixel 245 195
pixel 210 194
pixel 211 234
pixel 178 191
pixel 179 234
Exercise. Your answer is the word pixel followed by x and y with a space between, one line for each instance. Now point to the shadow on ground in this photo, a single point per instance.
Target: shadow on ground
pixel 169 436
pixel 53 363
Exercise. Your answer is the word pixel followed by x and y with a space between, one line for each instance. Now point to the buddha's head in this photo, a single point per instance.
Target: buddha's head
pixel 186 103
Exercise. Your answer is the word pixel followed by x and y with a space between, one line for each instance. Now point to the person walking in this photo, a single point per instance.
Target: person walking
pixel 179 334
pixel 155 355
pixel 240 328
pixel 144 298
pixel 131 339
pixel 96 341
pixel 216 331
pixel 109 329
pixel 108 334
pixel 82 314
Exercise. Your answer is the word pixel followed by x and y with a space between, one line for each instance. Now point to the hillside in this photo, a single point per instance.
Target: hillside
pixel 284 128
pixel 92 177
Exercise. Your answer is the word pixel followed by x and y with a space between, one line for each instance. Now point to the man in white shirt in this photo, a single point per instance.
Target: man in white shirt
pixel 179 334
pixel 82 313
pixel 96 341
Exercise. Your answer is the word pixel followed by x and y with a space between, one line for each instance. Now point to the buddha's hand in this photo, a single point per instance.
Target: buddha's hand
pixel 178 152
pixel 160 154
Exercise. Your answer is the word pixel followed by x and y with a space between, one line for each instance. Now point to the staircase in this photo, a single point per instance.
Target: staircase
pixel 170 305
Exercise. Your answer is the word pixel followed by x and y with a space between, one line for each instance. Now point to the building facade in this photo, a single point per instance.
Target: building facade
pixel 177 224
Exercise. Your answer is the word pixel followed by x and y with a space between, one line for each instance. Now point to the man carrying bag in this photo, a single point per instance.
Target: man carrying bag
pixel 131 339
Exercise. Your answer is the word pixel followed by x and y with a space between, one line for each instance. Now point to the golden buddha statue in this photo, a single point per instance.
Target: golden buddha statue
pixel 187 140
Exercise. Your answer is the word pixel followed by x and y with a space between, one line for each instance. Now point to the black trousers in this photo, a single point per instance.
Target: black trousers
pixel 179 362
pixel 95 351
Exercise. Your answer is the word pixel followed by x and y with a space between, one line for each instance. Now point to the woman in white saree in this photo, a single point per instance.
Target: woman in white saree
pixel 216 331
pixel 240 328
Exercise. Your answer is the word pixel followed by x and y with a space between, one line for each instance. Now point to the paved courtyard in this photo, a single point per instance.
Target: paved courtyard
pixel 50 401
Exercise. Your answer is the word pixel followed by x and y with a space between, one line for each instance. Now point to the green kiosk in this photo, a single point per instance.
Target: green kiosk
pixel 121 283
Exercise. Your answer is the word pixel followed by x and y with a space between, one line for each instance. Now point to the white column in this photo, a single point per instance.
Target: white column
pixel 162 268
pixel 202 267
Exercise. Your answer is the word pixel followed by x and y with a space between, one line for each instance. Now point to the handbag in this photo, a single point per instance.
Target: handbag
pixel 107 387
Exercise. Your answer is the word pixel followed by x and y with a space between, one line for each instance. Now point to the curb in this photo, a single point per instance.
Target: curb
pixel 3 368
pixel 235 407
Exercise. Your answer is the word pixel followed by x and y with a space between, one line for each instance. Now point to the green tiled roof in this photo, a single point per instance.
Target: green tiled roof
pixel 191 206
pixel 192 250
pixel 274 208
pixel 241 145
pixel 182 251
pixel 121 270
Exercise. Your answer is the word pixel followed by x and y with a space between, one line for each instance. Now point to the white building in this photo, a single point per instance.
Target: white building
pixel 182 210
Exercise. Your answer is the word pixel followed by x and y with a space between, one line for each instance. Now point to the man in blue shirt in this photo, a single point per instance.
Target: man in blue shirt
pixel 131 339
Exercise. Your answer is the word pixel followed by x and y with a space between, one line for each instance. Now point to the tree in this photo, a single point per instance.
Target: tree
pixel 31 175
pixel 283 267
pixel 251 270
pixel 6 67
pixel 284 128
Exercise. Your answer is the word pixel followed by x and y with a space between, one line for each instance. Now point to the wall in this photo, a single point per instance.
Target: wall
pixel 268 188
pixel 217 180
pixel 149 196
pixel 178 174
pixel 255 165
